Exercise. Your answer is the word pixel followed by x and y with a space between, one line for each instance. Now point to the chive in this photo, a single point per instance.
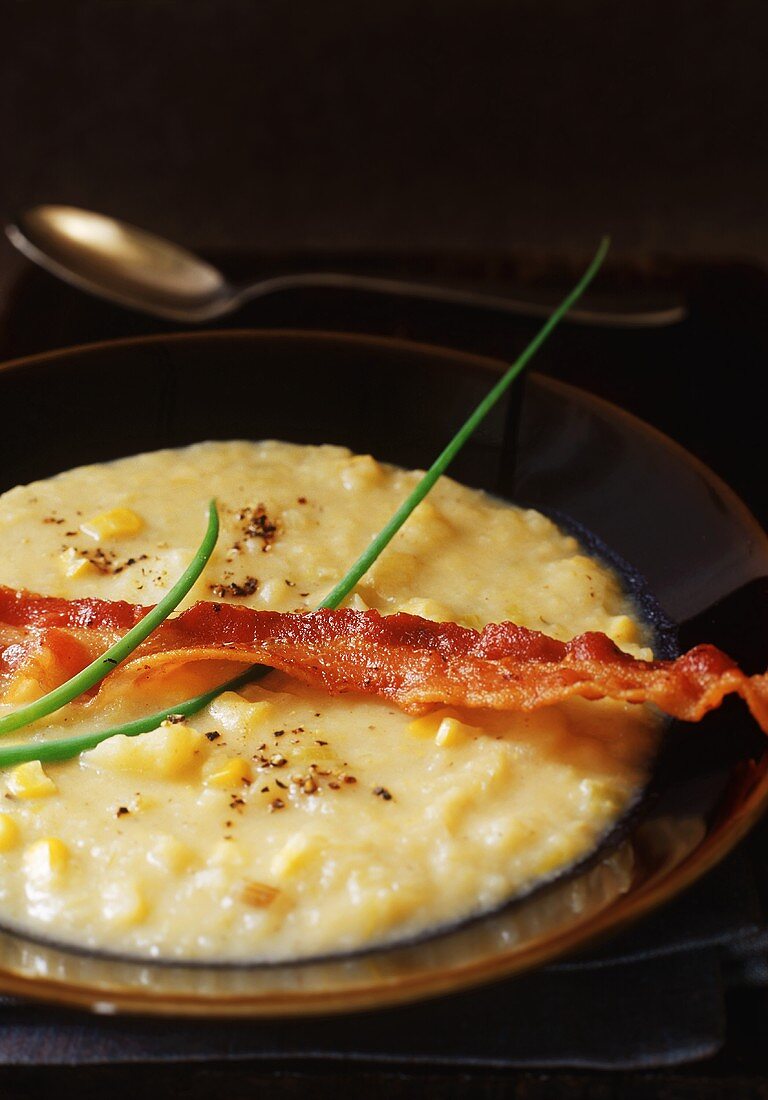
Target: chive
pixel 106 663
pixel 68 747
pixel 441 463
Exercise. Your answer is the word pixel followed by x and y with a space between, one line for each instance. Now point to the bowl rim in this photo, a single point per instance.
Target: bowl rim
pixel 486 362
pixel 731 827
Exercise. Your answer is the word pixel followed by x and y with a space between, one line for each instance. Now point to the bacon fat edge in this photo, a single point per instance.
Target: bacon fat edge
pixel 410 661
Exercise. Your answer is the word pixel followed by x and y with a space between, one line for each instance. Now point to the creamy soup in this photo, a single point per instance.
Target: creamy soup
pixel 280 822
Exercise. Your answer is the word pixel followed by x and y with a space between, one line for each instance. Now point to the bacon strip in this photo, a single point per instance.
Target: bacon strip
pixel 408 660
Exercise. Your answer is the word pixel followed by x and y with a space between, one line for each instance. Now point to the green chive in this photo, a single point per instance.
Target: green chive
pixel 68 747
pixel 103 665
pixel 441 463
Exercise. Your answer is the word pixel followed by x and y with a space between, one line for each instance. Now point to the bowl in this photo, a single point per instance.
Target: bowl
pixel 699 553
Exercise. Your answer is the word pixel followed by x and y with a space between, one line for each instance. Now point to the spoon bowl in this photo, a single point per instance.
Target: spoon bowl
pixel 121 262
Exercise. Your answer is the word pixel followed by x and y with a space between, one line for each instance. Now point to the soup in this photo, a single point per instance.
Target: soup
pixel 281 822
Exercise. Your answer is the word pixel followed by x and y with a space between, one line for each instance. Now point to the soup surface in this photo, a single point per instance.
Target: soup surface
pixel 279 822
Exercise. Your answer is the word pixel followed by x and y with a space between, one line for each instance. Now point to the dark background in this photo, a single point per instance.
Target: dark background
pixel 491 140
pixel 486 126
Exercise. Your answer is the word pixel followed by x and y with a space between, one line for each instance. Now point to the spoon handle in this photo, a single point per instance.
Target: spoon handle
pixel 639 318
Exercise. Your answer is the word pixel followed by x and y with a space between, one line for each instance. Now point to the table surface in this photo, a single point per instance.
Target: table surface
pixel 693 381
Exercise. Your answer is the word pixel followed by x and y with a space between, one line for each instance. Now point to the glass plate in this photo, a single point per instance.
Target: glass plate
pixel 701 553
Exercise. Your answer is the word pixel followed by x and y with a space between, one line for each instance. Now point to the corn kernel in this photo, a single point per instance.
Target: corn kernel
pixel 46 858
pixel 234 714
pixel 30 781
pixel 74 565
pixel 227 853
pixel 622 629
pixel 277 595
pixel 9 832
pixel 115 523
pixel 360 472
pixel 140 803
pixel 301 757
pixel 428 609
pixel 213 800
pixel 450 810
pixel 23 689
pixel 426 513
pixel 294 855
pixel 453 732
pixel 123 904
pixel 357 603
pixel 428 724
pixel 213 880
pixel 230 773
pixel 168 752
pixel 170 854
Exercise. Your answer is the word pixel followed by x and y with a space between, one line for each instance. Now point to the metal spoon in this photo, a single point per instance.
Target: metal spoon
pixel 127 265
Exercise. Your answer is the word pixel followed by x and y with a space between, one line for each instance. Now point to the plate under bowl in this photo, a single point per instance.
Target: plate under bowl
pixel 550 446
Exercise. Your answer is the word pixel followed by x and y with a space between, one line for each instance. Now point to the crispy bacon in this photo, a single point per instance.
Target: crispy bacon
pixel 413 662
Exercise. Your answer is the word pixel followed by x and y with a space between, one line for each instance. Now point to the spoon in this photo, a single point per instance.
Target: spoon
pixel 127 265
